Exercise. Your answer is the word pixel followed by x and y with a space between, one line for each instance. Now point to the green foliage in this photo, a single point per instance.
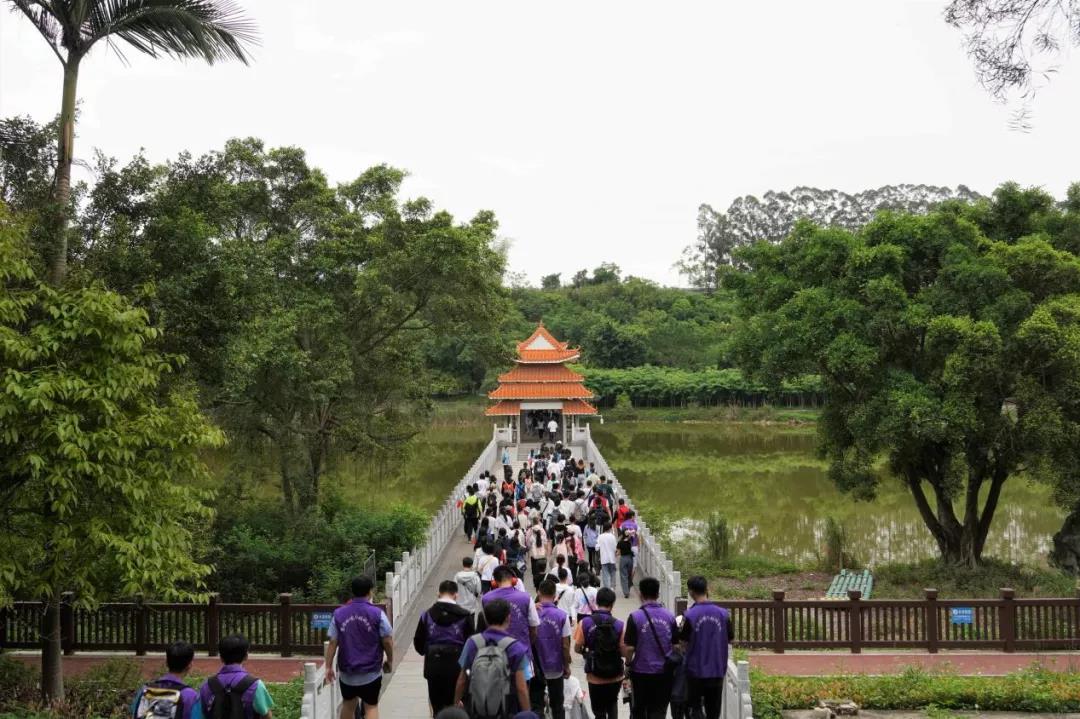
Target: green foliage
pixel 288 698
pixel 105 689
pixel 650 385
pixel 259 550
pixel 836 555
pixel 96 459
pixel 718 537
pixel 1034 690
pixel 908 580
pixel 924 331
pixel 18 683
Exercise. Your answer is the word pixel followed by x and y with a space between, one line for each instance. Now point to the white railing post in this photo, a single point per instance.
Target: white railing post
pixel 746 704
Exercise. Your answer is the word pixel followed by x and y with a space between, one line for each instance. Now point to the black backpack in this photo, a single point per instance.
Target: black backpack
pixel 229 700
pixel 605 660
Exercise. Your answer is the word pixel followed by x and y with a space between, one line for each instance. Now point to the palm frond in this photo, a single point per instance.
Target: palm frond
pixel 211 29
pixel 42 18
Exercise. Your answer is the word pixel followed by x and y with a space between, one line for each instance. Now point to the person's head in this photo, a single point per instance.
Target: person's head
pixel 564 575
pixel 467 562
pixel 621 501
pixel 178 657
pixel 546 590
pixel 497 613
pixel 488 548
pixel 582 579
pixel 502 532
pixel 698 587
pixel 605 598
pixel 536 520
pixel 630 514
pixel 560 559
pixel 452 713
pixel 472 489
pixel 649 589
pixel 503 576
pixel 362 586
pixel 448 589
pixel 607 526
pixel 233 649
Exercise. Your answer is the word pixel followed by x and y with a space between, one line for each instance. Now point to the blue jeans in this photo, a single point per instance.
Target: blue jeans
pixel 607 575
pixel 626 573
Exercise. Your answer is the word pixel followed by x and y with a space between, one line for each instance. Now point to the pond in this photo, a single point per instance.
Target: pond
pixel 776 496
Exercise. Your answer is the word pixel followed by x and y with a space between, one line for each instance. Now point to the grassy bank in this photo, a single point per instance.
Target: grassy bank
pixel 913 689
pixel 766 414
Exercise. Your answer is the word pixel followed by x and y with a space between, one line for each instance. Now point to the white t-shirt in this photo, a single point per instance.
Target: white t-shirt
pixel 485 564
pixel 482 485
pixel 564 598
pixel 566 509
pixel 606 543
pixel 584 600
pixel 553 426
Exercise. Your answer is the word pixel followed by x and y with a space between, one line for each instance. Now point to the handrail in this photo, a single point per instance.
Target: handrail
pixel 403 585
pixel 320 700
pixel 651 558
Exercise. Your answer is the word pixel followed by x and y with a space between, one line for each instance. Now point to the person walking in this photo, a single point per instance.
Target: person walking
pixel 232 682
pixel 625 550
pixel 706 632
pixel 537 540
pixel 523 616
pixel 169 695
pixel 597 638
pixel 470 510
pixel 469 587
pixel 440 637
pixel 495 647
pixel 362 638
pixel 552 652
pixel 607 549
pixel 552 428
pixel 648 638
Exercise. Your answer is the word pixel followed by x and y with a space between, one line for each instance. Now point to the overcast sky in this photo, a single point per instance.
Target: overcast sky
pixel 593 129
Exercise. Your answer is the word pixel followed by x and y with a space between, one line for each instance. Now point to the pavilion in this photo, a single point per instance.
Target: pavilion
pixel 541 381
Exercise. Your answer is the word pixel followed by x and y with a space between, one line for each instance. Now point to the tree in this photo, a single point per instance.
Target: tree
pixel 933 343
pixel 772 217
pixel 550 282
pixel 97 464
pixel 209 29
pixel 1013 43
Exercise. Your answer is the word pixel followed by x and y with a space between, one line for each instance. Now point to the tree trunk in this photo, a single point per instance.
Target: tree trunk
pixel 52 667
pixel 62 185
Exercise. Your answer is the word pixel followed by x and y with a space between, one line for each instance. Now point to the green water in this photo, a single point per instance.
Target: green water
pixel 775 493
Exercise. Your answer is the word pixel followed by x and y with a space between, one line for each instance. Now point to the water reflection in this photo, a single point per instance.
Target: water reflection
pixel 775 494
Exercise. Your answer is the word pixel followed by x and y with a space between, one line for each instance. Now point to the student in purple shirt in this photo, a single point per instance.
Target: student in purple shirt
pixel 170 688
pixel 706 630
pixel 648 638
pixel 552 652
pixel 363 639
pixel 232 682
pixel 497 616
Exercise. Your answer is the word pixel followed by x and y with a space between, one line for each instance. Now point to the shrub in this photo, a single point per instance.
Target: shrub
pixel 718 536
pixel 104 690
pixel 18 683
pixel 836 556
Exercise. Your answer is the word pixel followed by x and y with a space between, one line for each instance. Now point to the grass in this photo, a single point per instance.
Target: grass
pixel 1034 690
pixel 908 580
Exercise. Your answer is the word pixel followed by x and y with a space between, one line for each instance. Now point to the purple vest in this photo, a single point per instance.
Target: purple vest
pixel 707 654
pixel 360 648
pixel 452 634
pixel 549 637
pixel 519 611
pixel 648 657
pixel 588 626
pixel 229 675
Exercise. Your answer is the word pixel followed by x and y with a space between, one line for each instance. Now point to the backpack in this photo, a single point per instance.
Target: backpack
pixel 471 509
pixel 489 678
pixel 228 701
pixel 606 661
pixel 160 700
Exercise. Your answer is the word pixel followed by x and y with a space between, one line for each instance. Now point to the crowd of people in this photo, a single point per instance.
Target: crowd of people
pixel 494 648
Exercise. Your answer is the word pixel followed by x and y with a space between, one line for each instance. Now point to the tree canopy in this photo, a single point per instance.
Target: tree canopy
pixel 945 342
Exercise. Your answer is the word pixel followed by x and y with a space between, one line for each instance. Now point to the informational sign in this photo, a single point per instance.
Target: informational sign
pixel 961 615
pixel 321 620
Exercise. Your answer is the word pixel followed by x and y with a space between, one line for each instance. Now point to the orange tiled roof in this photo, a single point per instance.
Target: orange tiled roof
pixel 578 406
pixel 540 373
pixel 547 355
pixel 542 333
pixel 503 408
pixel 541 390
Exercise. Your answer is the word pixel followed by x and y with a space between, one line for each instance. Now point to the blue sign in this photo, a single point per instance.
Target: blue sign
pixel 961 615
pixel 321 620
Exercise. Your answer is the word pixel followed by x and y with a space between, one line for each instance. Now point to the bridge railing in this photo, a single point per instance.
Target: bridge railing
pixel 403 585
pixel 736 697
pixel 320 700
pixel 652 561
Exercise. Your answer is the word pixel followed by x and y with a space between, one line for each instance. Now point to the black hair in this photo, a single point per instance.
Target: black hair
pixel 622 501
pixel 362 586
pixel 697 585
pixel 448 586
pixel 178 656
pixel 582 579
pixel 649 588
pixel 466 562
pixel 563 573
pixel 233 649
pixel 546 588
pixel 496 611
pixel 502 573
pixel 605 597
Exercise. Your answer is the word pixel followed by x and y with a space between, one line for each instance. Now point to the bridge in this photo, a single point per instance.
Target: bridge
pixel 412 586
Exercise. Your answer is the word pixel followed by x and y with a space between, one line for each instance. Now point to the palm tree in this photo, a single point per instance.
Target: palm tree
pixel 209 29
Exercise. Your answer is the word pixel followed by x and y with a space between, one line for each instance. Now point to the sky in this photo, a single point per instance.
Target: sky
pixel 592 129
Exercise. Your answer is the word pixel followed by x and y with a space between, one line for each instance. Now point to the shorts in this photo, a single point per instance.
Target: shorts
pixel 367 693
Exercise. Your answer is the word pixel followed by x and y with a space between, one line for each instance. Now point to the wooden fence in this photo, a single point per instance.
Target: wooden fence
pixel 283 628
pixel 1004 624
